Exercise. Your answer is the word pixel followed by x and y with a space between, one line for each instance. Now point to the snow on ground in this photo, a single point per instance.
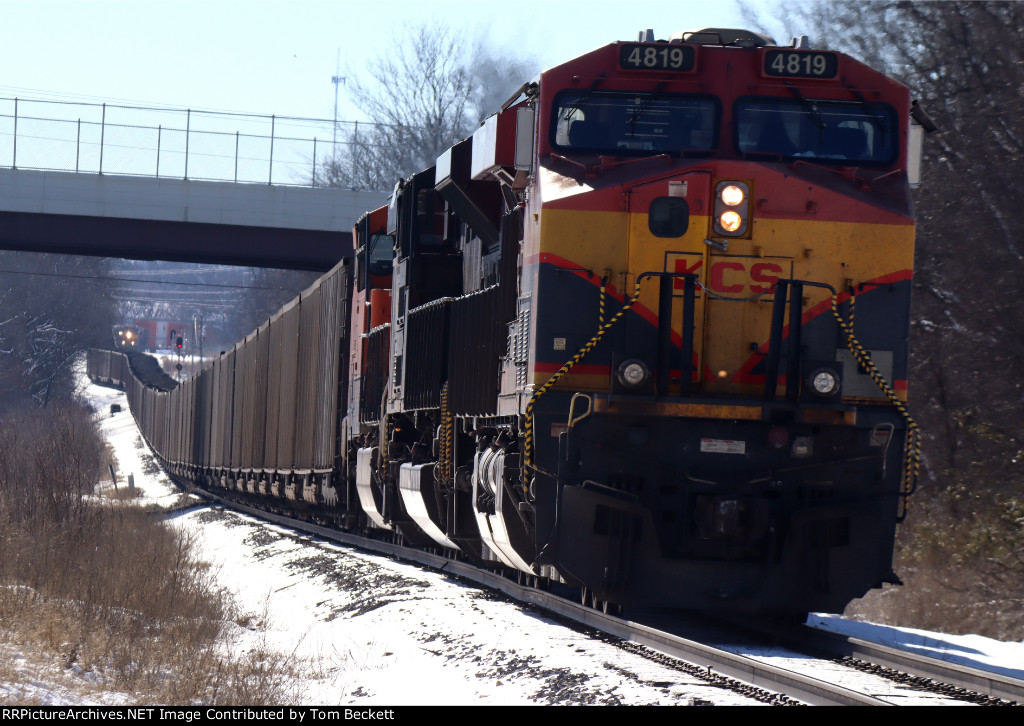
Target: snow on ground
pixel 971 650
pixel 375 631
pixel 48 684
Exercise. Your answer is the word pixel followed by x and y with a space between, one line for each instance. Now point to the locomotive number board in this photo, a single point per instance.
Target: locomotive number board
pixel 657 57
pixel 800 64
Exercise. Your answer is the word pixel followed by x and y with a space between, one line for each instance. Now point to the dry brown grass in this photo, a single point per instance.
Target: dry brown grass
pixel 121 494
pixel 93 587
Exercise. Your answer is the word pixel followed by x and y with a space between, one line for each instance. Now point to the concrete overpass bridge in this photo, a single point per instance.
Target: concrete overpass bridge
pixel 255 225
pixel 112 204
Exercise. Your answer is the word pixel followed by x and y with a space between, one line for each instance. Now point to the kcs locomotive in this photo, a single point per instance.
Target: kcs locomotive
pixel 644 333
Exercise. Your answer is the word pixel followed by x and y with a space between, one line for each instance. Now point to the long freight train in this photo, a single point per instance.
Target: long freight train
pixel 644 333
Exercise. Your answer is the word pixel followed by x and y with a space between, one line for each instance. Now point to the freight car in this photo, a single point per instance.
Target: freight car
pixel 644 333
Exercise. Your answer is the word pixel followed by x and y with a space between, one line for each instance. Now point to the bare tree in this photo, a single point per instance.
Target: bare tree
pixel 424 94
pixel 51 308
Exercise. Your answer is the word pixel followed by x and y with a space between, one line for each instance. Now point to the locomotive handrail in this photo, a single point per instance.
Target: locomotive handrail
pixel 573 420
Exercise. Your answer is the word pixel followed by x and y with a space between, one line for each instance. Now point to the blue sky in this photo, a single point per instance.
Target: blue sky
pixel 266 56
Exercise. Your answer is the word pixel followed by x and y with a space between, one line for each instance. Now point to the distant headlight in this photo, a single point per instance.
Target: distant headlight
pixel 633 373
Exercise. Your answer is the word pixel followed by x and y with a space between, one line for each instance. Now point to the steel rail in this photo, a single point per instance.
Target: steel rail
pixel 995 685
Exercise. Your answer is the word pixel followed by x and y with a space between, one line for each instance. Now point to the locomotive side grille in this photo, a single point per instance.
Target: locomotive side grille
pixel 375 376
pixel 476 345
pixel 472 265
pixel 521 348
pixel 426 354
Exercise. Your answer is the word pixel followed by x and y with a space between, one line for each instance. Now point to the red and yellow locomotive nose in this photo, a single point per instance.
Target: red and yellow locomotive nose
pixel 731 185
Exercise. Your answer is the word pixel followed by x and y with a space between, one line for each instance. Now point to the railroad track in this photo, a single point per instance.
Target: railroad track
pixel 818 669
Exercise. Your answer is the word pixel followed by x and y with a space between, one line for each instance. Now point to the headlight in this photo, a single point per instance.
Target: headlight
pixel 730 221
pixel 824 382
pixel 633 373
pixel 732 195
pixel 732 208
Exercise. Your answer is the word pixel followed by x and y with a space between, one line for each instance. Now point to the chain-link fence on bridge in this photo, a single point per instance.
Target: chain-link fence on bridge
pixel 166 142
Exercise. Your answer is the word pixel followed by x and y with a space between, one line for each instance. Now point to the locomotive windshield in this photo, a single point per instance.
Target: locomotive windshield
pixel 381 254
pixel 621 123
pixel 855 134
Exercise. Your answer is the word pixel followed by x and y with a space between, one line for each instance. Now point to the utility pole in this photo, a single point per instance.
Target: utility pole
pixel 337 79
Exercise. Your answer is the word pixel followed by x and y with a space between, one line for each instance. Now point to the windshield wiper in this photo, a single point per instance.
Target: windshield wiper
pixel 811 106
pixel 642 108
pixel 582 100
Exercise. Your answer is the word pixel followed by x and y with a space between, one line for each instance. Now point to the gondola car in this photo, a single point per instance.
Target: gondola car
pixel 645 333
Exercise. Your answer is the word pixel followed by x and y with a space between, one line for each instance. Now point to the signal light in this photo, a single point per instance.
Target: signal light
pixel 178 343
